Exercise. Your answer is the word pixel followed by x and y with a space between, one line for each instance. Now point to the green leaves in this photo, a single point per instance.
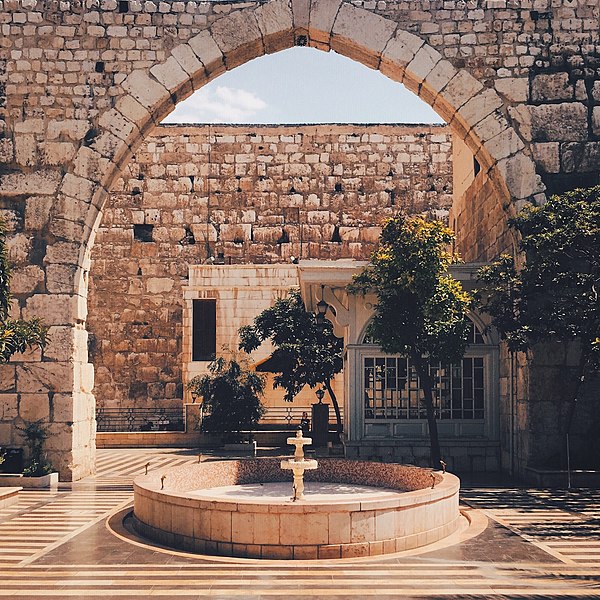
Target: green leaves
pixel 308 354
pixel 35 434
pixel 420 309
pixel 15 335
pixel 555 295
pixel 231 396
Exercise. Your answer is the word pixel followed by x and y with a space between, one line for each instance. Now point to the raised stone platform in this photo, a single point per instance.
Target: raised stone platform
pixel 8 496
pixel 243 508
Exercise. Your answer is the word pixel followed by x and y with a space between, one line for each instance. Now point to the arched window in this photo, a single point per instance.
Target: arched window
pixel 475 335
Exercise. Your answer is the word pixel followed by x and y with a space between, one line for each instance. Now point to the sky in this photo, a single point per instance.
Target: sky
pixel 303 85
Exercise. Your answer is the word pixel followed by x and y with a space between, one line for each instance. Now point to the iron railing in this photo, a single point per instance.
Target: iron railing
pixel 290 415
pixel 139 419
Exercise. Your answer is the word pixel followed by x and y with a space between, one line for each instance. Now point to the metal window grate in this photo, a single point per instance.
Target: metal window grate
pixel 392 389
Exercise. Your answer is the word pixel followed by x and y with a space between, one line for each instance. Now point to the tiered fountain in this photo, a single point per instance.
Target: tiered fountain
pixel 299 464
pixel 348 508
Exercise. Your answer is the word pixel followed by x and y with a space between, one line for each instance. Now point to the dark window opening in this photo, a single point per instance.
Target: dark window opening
pixel 99 67
pixel 204 329
pixel 476 166
pixel 284 238
pixel 123 6
pixel 143 233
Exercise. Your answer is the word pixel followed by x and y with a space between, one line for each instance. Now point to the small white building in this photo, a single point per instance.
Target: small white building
pixel 379 394
pixel 384 416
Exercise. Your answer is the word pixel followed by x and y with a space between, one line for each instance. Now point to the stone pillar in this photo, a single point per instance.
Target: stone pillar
pixel 56 387
pixel 320 424
pixel 193 417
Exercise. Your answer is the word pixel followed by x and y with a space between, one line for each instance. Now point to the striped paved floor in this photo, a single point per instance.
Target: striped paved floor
pixel 564 524
pixel 43 520
pixel 284 581
pixel 56 543
pixel 38 523
pixel 127 464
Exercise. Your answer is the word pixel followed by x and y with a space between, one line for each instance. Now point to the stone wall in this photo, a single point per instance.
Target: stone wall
pixel 246 194
pixel 82 83
pixel 480 222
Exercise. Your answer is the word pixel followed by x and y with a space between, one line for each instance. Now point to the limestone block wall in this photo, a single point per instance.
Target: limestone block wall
pixel 82 83
pixel 480 221
pixel 243 195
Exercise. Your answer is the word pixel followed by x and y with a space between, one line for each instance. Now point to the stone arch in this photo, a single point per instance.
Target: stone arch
pixel 144 97
pixel 476 114
pixel 490 337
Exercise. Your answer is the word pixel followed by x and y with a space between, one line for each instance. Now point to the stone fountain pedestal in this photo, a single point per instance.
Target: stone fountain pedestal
pixel 299 464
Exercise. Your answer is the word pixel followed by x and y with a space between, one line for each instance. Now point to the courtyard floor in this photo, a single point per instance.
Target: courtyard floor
pixel 71 543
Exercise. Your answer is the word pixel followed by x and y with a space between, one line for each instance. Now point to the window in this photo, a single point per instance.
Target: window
pixel 143 233
pixel 393 391
pixel 204 329
pixel 392 388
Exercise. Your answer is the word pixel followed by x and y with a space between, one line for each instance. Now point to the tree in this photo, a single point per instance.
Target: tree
pixel 306 352
pixel 554 296
pixel 16 335
pixel 231 397
pixel 421 311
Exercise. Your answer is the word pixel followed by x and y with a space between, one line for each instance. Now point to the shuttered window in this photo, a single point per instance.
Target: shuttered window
pixel 204 330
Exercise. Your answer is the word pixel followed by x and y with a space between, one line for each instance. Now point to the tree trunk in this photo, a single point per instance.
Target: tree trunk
pixel 422 368
pixel 336 407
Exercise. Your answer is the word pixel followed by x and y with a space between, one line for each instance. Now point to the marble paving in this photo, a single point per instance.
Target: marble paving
pixel 63 544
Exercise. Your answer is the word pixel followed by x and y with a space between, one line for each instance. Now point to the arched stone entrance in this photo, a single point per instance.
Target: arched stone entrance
pixel 63 158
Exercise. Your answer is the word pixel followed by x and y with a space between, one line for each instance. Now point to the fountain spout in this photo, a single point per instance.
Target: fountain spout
pixel 299 464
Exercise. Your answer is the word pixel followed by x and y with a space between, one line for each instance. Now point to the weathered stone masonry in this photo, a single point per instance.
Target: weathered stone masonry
pixel 252 194
pixel 84 82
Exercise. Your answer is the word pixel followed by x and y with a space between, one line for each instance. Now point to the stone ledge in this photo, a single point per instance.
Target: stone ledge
pixel 558 478
pixel 9 496
pixel 44 481
pixel 296 552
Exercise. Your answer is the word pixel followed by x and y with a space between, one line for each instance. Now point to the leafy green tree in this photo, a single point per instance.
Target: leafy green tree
pixel 306 352
pixel 421 310
pixel 231 397
pixel 554 295
pixel 16 335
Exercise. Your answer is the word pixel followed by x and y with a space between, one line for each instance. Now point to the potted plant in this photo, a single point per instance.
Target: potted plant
pixel 38 472
pixel 230 395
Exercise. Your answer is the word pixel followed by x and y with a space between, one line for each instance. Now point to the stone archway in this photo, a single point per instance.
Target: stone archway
pixel 477 114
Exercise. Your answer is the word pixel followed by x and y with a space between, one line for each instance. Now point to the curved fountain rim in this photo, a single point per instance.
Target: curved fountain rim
pixel 149 485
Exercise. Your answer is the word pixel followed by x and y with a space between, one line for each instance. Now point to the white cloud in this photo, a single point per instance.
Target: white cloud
pixel 220 105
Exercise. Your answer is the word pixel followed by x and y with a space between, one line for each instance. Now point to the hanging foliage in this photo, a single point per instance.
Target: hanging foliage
pixel 16 335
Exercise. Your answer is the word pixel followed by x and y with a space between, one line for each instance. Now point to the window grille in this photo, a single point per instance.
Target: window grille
pixel 392 389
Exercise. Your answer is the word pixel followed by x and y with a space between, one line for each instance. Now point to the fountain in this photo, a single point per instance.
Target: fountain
pixel 299 464
pixel 242 508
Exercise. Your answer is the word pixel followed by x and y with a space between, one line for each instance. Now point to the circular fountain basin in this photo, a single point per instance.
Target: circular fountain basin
pixel 243 508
